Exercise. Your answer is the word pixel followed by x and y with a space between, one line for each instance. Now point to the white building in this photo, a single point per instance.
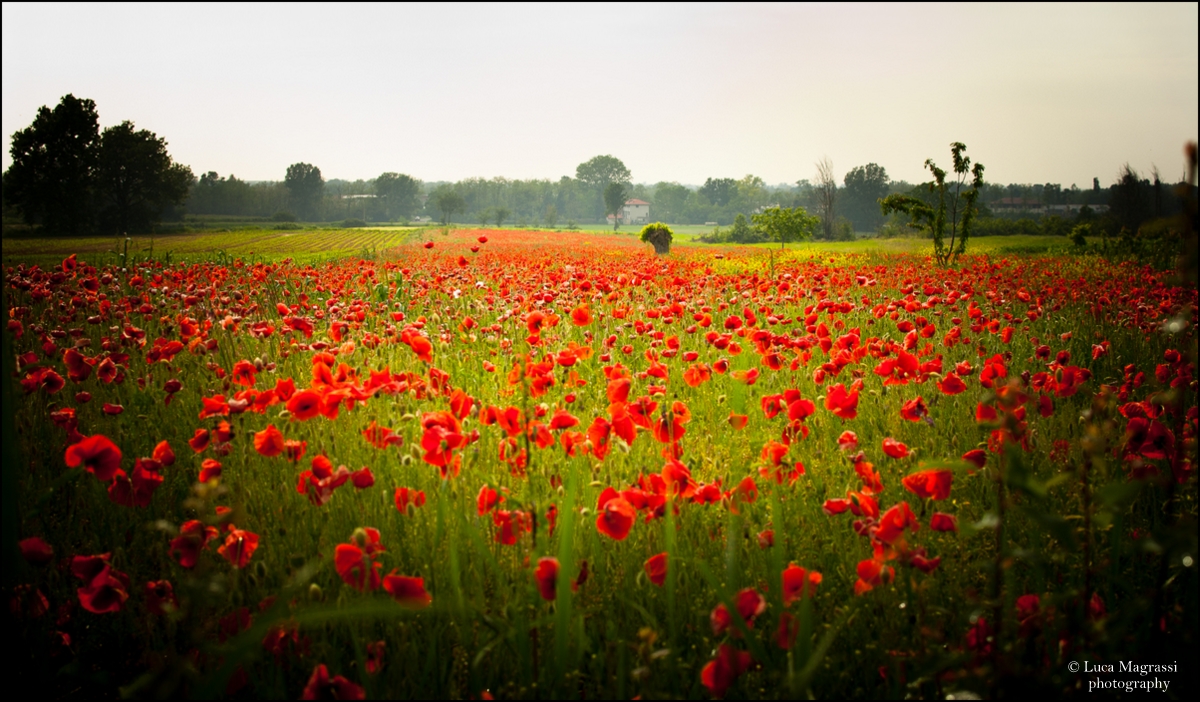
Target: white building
pixel 634 212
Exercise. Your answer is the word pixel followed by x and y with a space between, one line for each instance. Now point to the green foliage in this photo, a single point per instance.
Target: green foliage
pixel 659 235
pixel 136 179
pixel 353 223
pixel 954 206
pixel 719 191
pixel 305 186
pixel 449 202
pixel 500 214
pixel 50 179
pixel 283 216
pixel 615 195
pixel 1079 234
pixel 550 216
pixel 784 224
pixel 863 188
pixel 399 194
pixel 598 173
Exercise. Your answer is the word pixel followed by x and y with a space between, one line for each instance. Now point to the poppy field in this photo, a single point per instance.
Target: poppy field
pixel 506 464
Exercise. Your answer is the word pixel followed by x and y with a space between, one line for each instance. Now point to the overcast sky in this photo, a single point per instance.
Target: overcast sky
pixel 1039 93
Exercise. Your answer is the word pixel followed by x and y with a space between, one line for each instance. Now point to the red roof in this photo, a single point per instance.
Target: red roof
pixel 636 202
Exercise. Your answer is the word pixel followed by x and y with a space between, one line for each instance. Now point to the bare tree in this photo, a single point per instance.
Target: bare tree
pixel 826 192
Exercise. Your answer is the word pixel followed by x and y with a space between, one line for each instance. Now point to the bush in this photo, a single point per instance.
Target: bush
pixel 286 226
pixel 283 216
pixel 351 223
pixel 659 235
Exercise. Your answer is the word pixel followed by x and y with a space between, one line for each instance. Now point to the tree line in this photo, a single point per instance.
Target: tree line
pixel 68 177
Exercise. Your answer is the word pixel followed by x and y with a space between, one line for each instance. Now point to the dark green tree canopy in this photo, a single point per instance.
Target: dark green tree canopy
pixel 398 193
pixel 136 178
pixel 864 187
pixel 53 162
pixel 305 187
pixel 719 191
pixel 449 202
pixel 602 170
pixel 614 199
pixel 952 210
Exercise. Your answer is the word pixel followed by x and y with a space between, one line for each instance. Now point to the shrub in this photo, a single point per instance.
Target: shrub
pixel 354 222
pixel 659 235
pixel 283 216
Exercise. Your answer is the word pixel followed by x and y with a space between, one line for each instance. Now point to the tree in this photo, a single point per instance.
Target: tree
pixel 1128 200
pixel 670 200
pixel 826 196
pixel 550 217
pixel 864 187
pixel 614 199
pixel 599 172
pixel 719 191
pixel 398 194
pixel 449 202
pixel 305 187
pixel 658 235
pixel 500 214
pixel 951 201
pixel 136 178
pixel 785 224
pixel 53 161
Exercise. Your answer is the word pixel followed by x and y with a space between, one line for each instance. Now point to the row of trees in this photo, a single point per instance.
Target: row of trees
pixel 69 177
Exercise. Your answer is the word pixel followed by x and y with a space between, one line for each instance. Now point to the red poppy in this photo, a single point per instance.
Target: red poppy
pixel 362 478
pixel 842 403
pixel 871 574
pixel 487 500
pixel 97 454
pixel 35 551
pixel 193 537
pixel 943 522
pixel 163 453
pixel 160 597
pixel 893 522
pixel 105 590
pixel 749 605
pixel 406 590
pixel 210 469
pixel 199 440
pixel 976 456
pixel 546 575
pixel 914 410
pixel 269 441
pixel 239 546
pixel 408 496
pixel 721 672
pixel 304 405
pixel 797 583
pixel 894 448
pixel 656 568
pixel 951 385
pixel 615 515
pixel 930 484
pixel 321 687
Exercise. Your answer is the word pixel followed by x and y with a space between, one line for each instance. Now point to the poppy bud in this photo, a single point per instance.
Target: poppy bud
pixel 314 593
pixel 260 569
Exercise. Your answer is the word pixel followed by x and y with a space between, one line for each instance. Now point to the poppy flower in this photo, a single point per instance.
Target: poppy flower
pixel 719 674
pixel 239 546
pixel 35 551
pixel 199 440
pixel 546 575
pixel 97 454
pixel 105 590
pixel 841 402
pixel 738 421
pixel 871 574
pixel 798 582
pixel 375 651
pixel 943 522
pixel 951 385
pixel 656 568
pixel 304 405
pixel 914 410
pixel 193 537
pixel 408 496
pixel 321 687
pixel 976 456
pixel 749 605
pixel 269 441
pixel 616 515
pixel 929 484
pixel 210 469
pixel 362 478
pixel 160 597
pixel 894 448
pixel 893 522
pixel 409 592
pixel 163 453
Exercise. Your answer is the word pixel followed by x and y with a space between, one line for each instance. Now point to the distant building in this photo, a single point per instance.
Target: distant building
pixel 1029 206
pixel 634 212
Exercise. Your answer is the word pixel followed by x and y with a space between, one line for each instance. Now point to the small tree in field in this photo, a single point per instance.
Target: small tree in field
pixel 785 224
pixel 614 200
pixel 954 209
pixel 659 235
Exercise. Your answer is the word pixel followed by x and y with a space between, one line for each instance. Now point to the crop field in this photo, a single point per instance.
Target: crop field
pixel 487 463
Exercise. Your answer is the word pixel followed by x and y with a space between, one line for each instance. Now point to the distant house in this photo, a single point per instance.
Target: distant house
pixel 1029 206
pixel 634 212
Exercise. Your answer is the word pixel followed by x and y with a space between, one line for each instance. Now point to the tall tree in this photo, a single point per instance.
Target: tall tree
pixel 826 196
pixel 864 187
pixel 305 187
pixel 784 224
pixel 614 199
pixel 599 172
pixel 398 194
pixel 53 161
pixel 719 191
pixel 449 202
pixel 953 208
pixel 136 179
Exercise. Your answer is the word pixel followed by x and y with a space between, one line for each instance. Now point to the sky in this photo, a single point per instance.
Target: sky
pixel 1039 93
